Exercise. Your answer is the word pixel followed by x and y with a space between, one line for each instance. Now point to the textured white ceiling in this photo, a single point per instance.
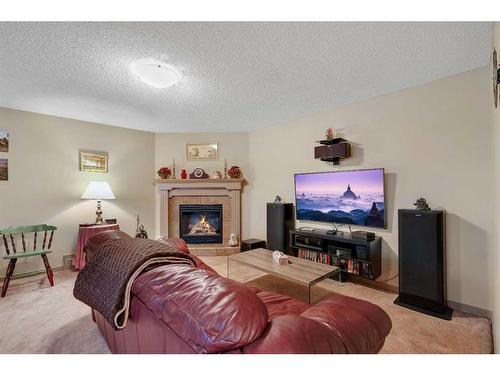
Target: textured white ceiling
pixel 237 76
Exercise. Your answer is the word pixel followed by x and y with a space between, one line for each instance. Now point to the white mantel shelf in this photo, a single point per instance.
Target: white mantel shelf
pixel 172 187
pixel 198 181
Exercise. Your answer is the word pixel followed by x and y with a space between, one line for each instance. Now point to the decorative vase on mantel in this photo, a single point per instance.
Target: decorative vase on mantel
pixel 184 174
pixel 164 173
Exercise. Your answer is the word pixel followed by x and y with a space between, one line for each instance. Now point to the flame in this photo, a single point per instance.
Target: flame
pixel 204 222
pixel 202 227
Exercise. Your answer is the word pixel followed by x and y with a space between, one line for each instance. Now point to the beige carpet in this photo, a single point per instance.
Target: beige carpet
pixel 412 332
pixel 36 318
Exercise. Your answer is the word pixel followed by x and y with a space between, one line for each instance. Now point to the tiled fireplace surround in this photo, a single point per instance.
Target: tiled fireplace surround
pixel 174 192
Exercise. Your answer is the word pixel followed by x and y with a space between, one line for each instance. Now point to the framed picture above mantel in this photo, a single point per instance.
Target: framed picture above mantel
pixel 202 151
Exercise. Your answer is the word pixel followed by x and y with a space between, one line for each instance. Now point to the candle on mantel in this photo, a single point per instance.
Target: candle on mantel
pixel 173 168
pixel 225 168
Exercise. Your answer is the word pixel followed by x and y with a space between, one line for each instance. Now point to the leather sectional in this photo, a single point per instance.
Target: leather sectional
pixel 181 309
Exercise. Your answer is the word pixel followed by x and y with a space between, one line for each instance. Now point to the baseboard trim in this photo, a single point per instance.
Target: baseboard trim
pixel 373 283
pixel 34 273
pixel 473 310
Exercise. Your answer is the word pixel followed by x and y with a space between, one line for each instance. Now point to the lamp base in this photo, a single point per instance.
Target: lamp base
pixel 99 220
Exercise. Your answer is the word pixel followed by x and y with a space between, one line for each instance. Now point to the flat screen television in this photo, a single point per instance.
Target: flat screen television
pixel 345 197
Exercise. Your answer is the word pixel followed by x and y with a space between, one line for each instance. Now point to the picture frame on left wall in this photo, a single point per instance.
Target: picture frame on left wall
pixel 4 140
pixel 93 161
pixel 4 170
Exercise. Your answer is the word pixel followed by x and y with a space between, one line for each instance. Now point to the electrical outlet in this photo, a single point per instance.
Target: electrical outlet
pixel 68 261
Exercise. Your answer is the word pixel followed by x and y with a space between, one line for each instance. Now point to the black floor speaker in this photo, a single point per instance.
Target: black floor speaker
pixel 279 223
pixel 422 278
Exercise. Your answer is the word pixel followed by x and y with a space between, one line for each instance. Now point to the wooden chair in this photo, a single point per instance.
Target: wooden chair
pixel 13 255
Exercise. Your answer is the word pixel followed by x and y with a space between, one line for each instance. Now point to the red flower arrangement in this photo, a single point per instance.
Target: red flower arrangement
pixel 234 172
pixel 164 172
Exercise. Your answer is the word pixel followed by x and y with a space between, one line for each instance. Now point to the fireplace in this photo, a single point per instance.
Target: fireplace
pixel 200 223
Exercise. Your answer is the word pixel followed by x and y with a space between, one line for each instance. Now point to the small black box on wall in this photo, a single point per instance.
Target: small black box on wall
pixel 252 243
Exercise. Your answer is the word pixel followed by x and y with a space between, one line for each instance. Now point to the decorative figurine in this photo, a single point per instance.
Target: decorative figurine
pixel 183 174
pixel 217 175
pixel 329 134
pixel 234 172
pixel 140 231
pixel 277 199
pixel 164 172
pixel 421 204
pixel 233 240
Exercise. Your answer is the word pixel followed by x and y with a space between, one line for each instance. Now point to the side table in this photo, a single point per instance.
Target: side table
pixel 84 233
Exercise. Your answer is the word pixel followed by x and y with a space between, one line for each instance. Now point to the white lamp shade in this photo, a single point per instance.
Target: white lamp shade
pixel 98 190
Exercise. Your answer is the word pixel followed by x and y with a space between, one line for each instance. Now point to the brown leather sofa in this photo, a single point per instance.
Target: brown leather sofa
pixel 181 309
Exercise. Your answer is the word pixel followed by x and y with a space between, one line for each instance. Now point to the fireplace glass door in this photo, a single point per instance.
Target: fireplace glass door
pixel 200 223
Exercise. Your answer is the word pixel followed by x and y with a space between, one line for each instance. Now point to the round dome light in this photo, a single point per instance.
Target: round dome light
pixel 155 73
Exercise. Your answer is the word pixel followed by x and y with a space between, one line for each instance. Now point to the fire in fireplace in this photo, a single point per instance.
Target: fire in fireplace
pixel 200 223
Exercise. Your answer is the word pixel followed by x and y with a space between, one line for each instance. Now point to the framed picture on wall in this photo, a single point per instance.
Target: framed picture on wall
pixel 201 151
pixel 94 161
pixel 4 140
pixel 4 170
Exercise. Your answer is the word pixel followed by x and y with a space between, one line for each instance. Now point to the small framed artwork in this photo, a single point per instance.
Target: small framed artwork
pixel 4 140
pixel 94 161
pixel 201 151
pixel 4 170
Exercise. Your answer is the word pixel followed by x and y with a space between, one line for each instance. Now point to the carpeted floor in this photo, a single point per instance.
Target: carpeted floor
pixel 36 318
pixel 411 332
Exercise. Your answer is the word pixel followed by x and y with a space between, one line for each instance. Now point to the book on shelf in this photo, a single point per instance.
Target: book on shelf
pixel 314 256
pixel 356 267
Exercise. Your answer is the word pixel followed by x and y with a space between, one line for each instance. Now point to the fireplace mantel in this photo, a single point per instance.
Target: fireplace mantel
pixel 170 188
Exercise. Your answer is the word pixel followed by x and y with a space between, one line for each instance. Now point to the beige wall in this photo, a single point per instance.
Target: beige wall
pixel 496 272
pixel 433 141
pixel 45 183
pixel 232 146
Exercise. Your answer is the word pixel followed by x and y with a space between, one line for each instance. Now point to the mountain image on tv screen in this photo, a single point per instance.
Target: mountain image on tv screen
pixel 348 197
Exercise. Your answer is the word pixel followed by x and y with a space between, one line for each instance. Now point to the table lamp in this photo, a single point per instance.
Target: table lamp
pixel 98 190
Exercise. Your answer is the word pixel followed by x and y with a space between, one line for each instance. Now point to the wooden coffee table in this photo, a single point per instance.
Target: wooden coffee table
pixel 300 271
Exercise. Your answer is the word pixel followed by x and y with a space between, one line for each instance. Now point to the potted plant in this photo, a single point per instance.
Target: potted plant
pixel 234 172
pixel 164 173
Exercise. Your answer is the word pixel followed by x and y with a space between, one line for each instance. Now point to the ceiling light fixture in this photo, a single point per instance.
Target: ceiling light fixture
pixel 155 73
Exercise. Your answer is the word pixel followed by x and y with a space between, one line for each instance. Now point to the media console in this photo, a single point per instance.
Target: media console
pixel 355 256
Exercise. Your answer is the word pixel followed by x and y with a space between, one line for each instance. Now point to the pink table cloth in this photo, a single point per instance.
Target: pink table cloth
pixel 84 233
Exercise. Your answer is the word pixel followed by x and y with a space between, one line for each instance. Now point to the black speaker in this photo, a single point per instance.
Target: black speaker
pixel 422 281
pixel 252 243
pixel 279 223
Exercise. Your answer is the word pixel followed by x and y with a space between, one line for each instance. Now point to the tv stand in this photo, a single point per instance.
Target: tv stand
pixel 354 256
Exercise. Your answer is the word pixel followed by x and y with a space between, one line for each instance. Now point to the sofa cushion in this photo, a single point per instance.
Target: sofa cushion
pixel 209 312
pixel 278 304
pixel 361 325
pixel 294 334
pixel 182 246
